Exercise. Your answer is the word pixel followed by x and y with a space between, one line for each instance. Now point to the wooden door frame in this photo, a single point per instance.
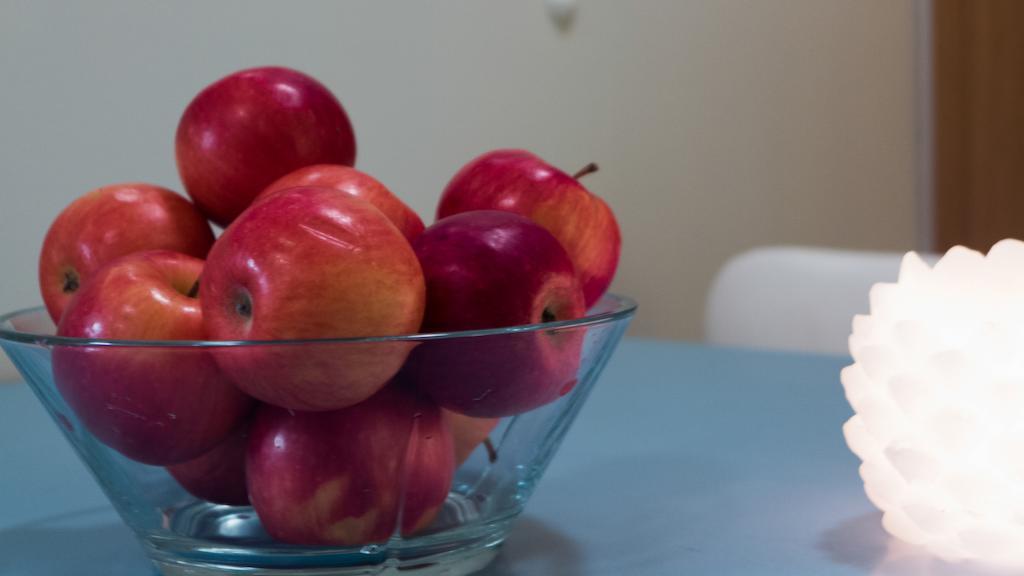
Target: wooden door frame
pixel 977 195
pixel 924 126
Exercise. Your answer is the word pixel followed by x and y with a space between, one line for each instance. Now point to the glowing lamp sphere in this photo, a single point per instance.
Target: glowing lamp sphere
pixel 937 387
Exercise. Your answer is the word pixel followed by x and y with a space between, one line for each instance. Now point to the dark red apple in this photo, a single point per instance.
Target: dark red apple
pixel 310 263
pixel 252 127
pixel 348 180
pixel 115 221
pixel 491 269
pixel 217 476
pixel 161 404
pixel 519 181
pixel 343 477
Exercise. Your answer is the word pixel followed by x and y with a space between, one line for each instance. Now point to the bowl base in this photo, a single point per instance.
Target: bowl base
pixel 220 540
pixel 457 563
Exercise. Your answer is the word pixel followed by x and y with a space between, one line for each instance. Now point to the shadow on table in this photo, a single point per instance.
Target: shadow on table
pixel 534 547
pixel 60 546
pixel 637 533
pixel 858 542
pixel 862 543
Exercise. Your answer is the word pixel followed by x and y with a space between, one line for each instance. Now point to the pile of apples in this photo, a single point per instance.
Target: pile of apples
pixel 331 442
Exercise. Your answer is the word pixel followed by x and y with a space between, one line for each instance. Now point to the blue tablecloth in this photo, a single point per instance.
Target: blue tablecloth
pixel 686 460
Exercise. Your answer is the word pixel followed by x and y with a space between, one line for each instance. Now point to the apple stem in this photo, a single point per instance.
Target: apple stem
pixel 194 290
pixel 588 169
pixel 492 453
pixel 70 282
pixel 548 316
pixel 243 305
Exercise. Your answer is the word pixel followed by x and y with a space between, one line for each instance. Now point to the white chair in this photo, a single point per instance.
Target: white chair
pixel 795 298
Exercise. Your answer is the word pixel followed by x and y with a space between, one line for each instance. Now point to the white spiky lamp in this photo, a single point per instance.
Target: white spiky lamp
pixel 937 387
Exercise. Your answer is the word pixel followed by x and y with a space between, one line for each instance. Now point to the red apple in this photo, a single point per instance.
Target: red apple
pixel 218 475
pixel 518 181
pixel 252 127
pixel 491 269
pixel 159 405
pixel 343 477
pixel 429 466
pixel 350 181
pixel 468 433
pixel 309 263
pixel 114 221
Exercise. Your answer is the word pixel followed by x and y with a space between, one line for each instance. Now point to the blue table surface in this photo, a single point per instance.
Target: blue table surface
pixel 687 459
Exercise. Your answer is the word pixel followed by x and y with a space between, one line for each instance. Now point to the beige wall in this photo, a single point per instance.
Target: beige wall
pixel 719 125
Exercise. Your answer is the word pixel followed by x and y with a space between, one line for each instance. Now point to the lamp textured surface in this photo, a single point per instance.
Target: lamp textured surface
pixel 937 387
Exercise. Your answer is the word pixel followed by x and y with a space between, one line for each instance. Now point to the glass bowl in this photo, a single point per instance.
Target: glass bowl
pixel 87 387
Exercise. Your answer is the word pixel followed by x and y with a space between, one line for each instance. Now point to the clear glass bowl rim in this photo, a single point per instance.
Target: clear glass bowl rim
pixel 621 307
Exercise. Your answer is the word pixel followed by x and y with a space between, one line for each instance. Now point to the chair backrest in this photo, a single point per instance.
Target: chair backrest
pixel 795 298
